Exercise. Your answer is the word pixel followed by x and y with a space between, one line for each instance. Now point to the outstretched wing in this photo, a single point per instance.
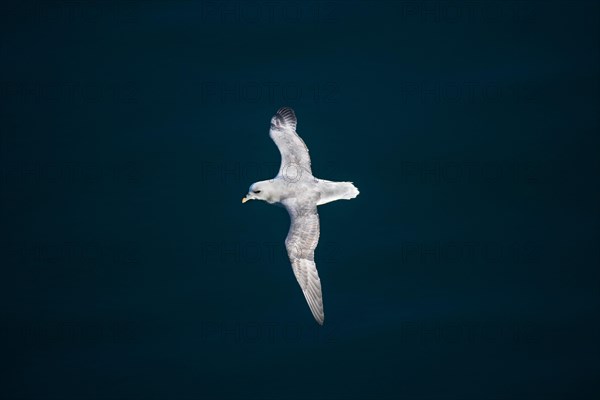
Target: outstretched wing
pixel 294 153
pixel 300 243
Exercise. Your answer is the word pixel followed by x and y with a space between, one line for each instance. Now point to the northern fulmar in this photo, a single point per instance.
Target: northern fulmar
pixel 299 192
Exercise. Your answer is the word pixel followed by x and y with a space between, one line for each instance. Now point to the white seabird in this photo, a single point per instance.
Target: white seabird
pixel 296 189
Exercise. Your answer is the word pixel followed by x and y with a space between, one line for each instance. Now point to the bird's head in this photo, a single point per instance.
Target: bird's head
pixel 260 191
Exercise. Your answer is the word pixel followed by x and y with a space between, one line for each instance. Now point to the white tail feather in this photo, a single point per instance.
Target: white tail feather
pixel 332 191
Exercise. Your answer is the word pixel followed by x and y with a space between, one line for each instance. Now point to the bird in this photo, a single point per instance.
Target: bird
pixel 299 192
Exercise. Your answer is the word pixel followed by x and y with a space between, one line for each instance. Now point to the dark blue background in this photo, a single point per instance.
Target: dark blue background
pixel 466 269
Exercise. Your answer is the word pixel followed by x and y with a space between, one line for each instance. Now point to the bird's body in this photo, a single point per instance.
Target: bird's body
pixel 321 190
pixel 296 189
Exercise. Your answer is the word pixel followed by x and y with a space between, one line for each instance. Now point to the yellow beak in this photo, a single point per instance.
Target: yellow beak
pixel 245 199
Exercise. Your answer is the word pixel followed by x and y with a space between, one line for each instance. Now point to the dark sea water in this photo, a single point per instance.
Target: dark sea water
pixel 466 269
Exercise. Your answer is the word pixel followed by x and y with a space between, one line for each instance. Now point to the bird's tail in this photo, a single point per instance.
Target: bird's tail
pixel 350 192
pixel 332 191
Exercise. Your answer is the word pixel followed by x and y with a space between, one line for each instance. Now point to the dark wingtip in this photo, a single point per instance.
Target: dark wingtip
pixel 285 109
pixel 287 116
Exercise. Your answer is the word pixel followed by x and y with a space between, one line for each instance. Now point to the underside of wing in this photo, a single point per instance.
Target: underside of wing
pixel 300 243
pixel 308 278
pixel 294 153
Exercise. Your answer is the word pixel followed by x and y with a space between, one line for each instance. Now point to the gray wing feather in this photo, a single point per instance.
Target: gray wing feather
pixel 294 153
pixel 301 241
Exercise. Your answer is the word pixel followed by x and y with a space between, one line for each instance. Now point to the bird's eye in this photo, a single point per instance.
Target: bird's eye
pixel 256 191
